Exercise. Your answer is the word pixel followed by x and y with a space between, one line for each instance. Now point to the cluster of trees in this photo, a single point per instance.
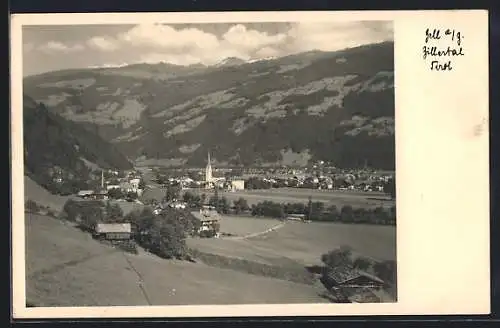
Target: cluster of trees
pixel 172 193
pixel 316 211
pixel 117 193
pixel 86 213
pixel 257 183
pixel 193 199
pixel 163 235
pixel 269 209
pixel 240 205
pixel 222 204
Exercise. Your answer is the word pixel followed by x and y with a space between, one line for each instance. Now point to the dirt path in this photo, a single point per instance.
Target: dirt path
pixel 255 234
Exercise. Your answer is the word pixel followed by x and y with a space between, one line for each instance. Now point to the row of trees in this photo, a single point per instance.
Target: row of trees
pixel 316 211
pixel 194 200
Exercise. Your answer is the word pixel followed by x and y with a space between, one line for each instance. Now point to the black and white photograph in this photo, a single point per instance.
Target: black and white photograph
pixel 216 164
pixel 209 163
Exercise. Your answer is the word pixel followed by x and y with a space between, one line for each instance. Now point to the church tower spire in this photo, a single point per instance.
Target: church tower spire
pixel 208 170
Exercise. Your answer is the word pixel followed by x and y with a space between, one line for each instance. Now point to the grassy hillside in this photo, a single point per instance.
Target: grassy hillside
pixel 55 147
pixel 332 106
pixel 65 267
pixel 33 191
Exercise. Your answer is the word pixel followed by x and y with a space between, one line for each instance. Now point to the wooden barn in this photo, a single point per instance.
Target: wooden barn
pixel 113 231
pixel 347 277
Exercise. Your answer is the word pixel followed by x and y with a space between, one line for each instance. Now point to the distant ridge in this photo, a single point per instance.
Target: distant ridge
pixel 256 112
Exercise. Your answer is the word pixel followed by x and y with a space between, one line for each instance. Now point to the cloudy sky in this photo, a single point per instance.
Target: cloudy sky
pixel 48 48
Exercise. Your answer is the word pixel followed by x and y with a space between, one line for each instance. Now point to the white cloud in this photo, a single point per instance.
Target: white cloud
pixel 191 45
pixel 239 36
pixel 55 46
pixel 102 43
pixel 153 43
pixel 167 38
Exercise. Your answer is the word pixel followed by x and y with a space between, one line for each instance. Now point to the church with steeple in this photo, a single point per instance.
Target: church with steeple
pixel 208 171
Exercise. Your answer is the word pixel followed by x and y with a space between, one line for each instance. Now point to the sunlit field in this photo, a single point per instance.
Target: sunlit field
pixel 303 243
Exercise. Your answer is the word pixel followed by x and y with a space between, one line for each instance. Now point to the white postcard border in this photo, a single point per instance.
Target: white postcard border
pixel 443 222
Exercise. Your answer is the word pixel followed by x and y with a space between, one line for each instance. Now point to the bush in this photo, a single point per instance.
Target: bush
pixel 387 271
pixel 390 188
pixel 115 193
pixel 338 257
pixel 114 213
pixel 128 246
pixel 362 264
pixel 241 205
pixel 31 206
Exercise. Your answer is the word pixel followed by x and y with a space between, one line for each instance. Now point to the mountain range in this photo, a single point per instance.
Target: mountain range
pixel 331 106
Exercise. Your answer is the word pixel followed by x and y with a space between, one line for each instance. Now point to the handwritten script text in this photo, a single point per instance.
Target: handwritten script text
pixel 441 56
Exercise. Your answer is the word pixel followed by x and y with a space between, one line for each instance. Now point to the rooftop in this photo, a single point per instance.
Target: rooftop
pixel 113 227
pixel 85 192
pixel 344 274
pixel 206 215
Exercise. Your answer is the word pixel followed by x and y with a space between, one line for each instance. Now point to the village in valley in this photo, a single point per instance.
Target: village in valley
pixel 203 200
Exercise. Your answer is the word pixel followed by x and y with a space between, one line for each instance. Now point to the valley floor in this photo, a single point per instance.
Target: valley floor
pixel 294 242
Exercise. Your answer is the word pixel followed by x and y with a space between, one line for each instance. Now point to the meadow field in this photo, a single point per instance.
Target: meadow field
pixel 66 267
pixel 297 242
pixel 293 195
